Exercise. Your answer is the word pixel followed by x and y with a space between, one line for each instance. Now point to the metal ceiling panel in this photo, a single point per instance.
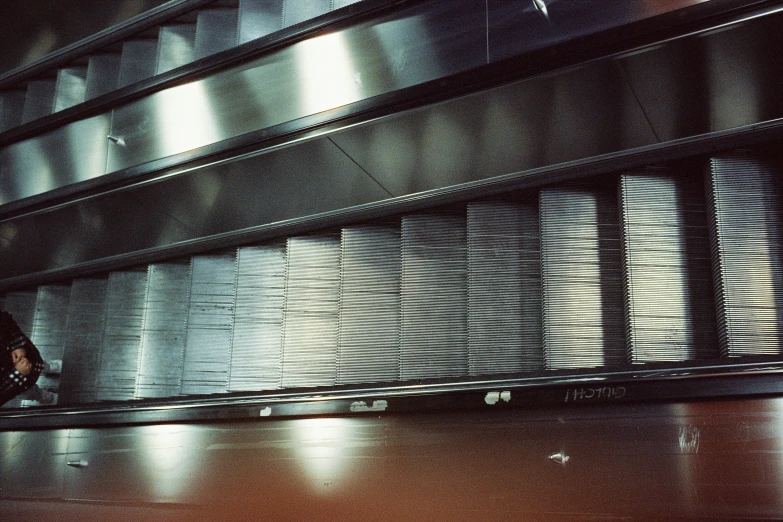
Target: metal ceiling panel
pixel 416 44
pixel 34 245
pixel 47 449
pixel 272 187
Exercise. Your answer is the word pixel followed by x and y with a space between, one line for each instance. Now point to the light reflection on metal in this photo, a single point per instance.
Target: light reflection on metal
pixel 321 448
pixel 70 154
pixel 185 118
pixel 168 459
pixel 8 230
pixel 38 173
pixel 12 441
pixel 541 7
pixel 739 101
pixel 686 466
pixel 560 458
pixel 327 76
pixel 407 65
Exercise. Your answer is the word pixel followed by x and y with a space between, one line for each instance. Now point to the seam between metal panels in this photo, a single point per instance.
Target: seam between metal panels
pixel 620 388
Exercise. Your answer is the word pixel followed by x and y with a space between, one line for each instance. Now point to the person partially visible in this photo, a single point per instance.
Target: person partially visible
pixel 20 364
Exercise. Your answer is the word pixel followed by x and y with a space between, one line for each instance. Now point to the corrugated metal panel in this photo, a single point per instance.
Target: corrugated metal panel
pixel 216 30
pixel 670 313
pixel 311 311
pixel 163 330
pixel 119 363
pixel 295 11
pixel 582 278
pixel 369 344
pixel 21 305
pixel 39 100
pixel 434 296
pixel 746 236
pixel 210 324
pixel 504 287
pixel 71 87
pixel 338 4
pixel 49 330
pixel 84 341
pixel 11 107
pixel 103 70
pixel 256 352
pixel 138 61
pixel 259 18
pixel 176 46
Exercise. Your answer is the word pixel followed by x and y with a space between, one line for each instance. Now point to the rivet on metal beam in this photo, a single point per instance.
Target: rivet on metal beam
pixel 541 7
pixel 560 458
pixel 116 139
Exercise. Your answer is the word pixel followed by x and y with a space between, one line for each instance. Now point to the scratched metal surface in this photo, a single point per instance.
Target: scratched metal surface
pixel 681 460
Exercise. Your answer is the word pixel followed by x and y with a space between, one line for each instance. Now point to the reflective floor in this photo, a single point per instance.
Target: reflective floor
pixel 699 460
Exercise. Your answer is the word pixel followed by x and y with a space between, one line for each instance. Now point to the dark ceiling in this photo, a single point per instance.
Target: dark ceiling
pixel 38 27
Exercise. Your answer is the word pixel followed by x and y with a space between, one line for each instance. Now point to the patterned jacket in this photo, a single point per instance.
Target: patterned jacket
pixel 12 383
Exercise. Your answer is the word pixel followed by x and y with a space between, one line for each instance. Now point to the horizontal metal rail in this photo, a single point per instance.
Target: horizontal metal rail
pixel 656 383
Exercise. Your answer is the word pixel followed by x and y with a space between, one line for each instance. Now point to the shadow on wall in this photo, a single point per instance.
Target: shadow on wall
pixel 38 27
